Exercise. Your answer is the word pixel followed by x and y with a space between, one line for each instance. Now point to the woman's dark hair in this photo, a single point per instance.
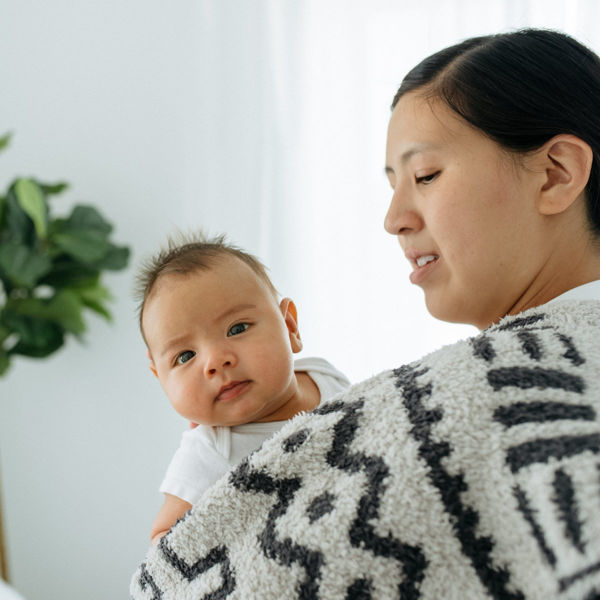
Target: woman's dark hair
pixel 520 89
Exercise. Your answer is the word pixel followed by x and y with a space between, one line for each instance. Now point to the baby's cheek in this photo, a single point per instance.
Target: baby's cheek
pixel 183 401
pixel 280 372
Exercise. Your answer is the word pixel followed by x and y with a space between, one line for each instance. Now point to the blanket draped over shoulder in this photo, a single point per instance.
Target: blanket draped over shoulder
pixel 471 473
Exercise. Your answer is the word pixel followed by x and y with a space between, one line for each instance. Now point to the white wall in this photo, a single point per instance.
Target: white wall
pixel 102 94
pixel 261 118
pixel 95 93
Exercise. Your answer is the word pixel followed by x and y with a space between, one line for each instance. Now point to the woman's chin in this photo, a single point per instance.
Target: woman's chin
pixel 439 309
pixel 450 312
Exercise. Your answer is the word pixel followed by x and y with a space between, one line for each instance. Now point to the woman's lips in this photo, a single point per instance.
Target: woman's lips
pixel 421 272
pixel 232 390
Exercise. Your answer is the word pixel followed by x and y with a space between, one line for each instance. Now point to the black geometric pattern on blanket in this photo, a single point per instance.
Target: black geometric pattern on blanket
pixel 218 556
pixel 539 451
pixel 362 531
pixel 465 521
pixel 146 581
pixel 554 394
pixel 544 449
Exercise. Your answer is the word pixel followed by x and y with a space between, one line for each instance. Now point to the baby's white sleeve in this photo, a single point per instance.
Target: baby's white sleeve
pixel 195 466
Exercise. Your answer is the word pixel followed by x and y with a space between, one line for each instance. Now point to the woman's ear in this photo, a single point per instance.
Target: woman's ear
pixel 290 316
pixel 566 161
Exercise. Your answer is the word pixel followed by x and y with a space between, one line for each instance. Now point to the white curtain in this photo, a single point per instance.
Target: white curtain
pixel 308 90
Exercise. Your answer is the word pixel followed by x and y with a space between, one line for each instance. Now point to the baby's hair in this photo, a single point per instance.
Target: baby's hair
pixel 189 254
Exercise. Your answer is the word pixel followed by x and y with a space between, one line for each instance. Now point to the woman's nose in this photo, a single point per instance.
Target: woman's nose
pixel 401 218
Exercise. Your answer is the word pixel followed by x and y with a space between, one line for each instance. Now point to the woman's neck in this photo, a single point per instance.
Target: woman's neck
pixel 563 271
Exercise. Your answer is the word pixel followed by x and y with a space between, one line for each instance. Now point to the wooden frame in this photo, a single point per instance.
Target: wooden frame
pixel 3 559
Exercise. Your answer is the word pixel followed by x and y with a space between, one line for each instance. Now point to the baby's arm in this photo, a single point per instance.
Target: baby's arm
pixel 174 508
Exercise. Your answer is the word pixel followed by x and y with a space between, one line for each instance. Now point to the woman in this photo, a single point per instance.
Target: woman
pixel 493 152
pixel 472 473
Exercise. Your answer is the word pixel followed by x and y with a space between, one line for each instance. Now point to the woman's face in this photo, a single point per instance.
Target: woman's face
pixel 464 213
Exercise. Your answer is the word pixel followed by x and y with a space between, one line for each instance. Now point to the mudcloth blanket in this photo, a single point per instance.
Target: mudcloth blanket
pixel 472 473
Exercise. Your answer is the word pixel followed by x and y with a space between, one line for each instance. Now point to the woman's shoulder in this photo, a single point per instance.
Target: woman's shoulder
pixel 568 313
pixel 541 346
pixel 550 324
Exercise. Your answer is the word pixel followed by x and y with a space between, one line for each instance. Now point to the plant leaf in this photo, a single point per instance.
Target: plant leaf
pixel 36 338
pixel 84 245
pixel 88 218
pixel 31 200
pixel 92 295
pixel 51 189
pixel 4 362
pixel 115 259
pixel 5 140
pixel 64 309
pixel 67 272
pixel 84 235
pixel 92 290
pixel 22 265
pixel 97 307
pixel 16 225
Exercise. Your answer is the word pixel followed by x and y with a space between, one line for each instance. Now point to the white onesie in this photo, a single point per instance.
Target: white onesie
pixel 206 453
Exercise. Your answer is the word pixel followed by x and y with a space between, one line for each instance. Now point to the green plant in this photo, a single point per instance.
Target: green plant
pixel 50 269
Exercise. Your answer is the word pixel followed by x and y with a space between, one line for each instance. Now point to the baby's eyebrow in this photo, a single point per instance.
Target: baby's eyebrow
pixel 235 309
pixel 176 341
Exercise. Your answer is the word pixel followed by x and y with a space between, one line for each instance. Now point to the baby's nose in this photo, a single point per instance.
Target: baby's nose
pixel 212 368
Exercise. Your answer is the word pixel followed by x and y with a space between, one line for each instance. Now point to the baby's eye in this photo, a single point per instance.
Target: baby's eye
pixel 425 179
pixel 238 328
pixel 185 356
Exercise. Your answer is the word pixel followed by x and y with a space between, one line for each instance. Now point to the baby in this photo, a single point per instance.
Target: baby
pixel 221 344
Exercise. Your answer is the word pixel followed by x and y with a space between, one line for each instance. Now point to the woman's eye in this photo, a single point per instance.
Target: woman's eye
pixel 237 329
pixel 425 179
pixel 185 356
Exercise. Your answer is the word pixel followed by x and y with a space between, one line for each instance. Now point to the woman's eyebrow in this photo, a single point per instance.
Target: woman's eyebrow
pixel 410 152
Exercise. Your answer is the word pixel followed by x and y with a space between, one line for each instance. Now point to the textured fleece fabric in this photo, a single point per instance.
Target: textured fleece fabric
pixel 471 473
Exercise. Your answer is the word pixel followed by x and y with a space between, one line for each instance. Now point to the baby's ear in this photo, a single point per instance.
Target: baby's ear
pixel 151 366
pixel 290 316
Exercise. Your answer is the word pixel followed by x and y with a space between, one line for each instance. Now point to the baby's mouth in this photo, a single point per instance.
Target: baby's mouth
pixel 232 390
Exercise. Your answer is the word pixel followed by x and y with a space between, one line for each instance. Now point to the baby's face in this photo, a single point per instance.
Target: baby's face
pixel 221 345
